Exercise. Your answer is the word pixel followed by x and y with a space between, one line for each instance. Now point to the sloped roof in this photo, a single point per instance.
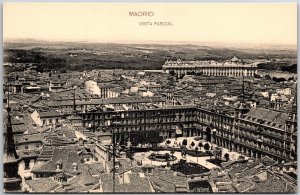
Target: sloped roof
pixel 42 185
pixel 26 138
pixel 96 168
pixel 67 131
pixel 267 115
pixel 165 180
pixel 267 161
pixel 125 165
pixel 65 155
pixel 136 183
pixel 49 114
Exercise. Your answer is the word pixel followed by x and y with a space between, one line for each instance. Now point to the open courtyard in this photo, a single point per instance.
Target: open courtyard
pixel 192 144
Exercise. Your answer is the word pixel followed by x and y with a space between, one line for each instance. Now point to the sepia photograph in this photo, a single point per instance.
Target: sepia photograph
pixel 149 97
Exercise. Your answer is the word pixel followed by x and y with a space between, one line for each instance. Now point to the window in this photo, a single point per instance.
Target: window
pixel 26 147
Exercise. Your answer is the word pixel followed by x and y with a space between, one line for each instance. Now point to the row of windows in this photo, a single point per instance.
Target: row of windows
pixel 266 143
pixel 254 136
pixel 140 114
pixel 207 118
pixel 27 147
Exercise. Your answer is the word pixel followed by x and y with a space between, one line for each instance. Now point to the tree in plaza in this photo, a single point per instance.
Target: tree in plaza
pixel 196 150
pixel 167 156
pixel 217 152
pixel 168 142
pixel 184 142
pixel 172 152
pixel 226 156
pixel 200 145
pixel 192 144
pixel 152 154
pixel 206 147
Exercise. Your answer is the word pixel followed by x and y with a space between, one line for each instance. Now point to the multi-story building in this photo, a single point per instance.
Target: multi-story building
pixel 259 133
pixel 231 68
pixel 50 118
pixel 83 105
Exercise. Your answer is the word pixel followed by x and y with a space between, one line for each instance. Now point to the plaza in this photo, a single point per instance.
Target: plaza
pixel 143 157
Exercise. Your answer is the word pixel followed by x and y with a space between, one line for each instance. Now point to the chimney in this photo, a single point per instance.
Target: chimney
pixel 75 166
pixel 59 165
pixel 81 141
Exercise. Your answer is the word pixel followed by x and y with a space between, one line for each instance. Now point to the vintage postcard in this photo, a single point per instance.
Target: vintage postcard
pixel 150 97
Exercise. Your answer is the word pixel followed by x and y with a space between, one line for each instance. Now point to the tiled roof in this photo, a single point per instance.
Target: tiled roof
pixel 49 114
pixel 267 161
pixel 84 182
pixel 273 184
pixel 66 131
pixel 135 183
pixel 166 180
pixel 56 139
pixel 125 165
pixel 96 168
pixel 46 153
pixel 28 153
pixel 268 115
pixel 42 185
pixel 29 138
pixel 66 155
pixel 119 100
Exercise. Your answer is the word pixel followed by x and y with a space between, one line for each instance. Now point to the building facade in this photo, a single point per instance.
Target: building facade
pixel 254 138
pixel 232 68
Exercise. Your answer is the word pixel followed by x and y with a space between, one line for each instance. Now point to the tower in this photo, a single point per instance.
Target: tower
pixel 242 107
pixel 11 178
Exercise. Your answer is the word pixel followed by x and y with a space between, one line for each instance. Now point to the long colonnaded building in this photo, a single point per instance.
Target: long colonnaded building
pixel 259 133
pixel 231 68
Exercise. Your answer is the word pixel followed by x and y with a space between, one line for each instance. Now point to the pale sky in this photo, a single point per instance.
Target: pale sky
pixel 110 22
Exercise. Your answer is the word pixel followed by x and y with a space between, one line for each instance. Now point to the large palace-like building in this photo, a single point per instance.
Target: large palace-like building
pixel 258 133
pixel 231 68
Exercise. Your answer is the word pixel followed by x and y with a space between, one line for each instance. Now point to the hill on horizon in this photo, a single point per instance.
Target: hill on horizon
pixel 86 56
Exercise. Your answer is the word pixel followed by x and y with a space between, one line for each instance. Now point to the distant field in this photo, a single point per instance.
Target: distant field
pixel 86 56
